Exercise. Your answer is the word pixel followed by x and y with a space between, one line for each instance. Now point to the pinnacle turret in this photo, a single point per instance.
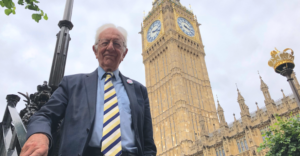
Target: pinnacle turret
pixel 234 117
pixel 222 120
pixel 283 93
pixel 269 102
pixel 265 89
pixel 257 106
pixel 219 106
pixel 240 97
pixel 245 114
pixel 263 85
pixel 241 101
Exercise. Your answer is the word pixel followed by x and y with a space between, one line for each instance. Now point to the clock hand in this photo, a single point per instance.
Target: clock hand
pixel 187 28
pixel 154 30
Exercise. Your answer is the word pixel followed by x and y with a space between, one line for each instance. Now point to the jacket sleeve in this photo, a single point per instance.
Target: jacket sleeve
pixel 149 146
pixel 51 113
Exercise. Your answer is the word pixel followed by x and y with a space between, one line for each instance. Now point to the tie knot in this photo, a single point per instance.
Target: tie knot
pixel 109 74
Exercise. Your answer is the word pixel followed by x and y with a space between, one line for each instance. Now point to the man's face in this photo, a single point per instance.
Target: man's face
pixel 111 50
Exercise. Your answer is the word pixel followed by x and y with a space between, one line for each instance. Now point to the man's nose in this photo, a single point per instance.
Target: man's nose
pixel 110 46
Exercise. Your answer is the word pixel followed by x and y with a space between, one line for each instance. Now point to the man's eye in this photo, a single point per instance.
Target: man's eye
pixel 117 45
pixel 104 43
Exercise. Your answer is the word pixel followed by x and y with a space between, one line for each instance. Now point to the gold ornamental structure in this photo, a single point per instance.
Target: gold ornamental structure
pixel 279 60
pixel 283 63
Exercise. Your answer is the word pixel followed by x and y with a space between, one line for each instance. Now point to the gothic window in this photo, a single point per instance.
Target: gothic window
pixel 220 151
pixel 263 130
pixel 239 147
pixel 245 142
pixel 242 144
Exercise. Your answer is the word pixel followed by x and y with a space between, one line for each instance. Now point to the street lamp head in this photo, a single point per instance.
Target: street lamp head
pixel 283 63
pixel 279 60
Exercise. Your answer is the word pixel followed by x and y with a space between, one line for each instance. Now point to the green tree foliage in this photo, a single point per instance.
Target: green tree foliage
pixel 283 139
pixel 10 8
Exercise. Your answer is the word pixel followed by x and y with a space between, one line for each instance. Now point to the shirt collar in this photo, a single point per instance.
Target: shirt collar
pixel 101 72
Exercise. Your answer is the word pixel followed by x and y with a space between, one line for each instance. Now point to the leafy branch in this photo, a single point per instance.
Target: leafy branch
pixel 283 138
pixel 10 8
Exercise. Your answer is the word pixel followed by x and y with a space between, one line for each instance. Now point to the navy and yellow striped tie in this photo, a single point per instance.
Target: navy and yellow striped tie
pixel 111 137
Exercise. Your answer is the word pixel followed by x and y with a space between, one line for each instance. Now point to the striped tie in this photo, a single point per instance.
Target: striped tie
pixel 111 137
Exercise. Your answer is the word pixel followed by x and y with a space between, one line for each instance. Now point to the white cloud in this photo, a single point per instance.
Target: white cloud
pixel 10 33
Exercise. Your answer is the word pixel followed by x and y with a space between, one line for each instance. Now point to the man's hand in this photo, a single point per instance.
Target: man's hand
pixel 36 145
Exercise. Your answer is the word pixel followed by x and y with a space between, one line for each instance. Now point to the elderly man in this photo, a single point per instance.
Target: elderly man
pixel 105 113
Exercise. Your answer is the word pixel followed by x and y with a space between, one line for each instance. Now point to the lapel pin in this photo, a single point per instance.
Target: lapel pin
pixel 129 81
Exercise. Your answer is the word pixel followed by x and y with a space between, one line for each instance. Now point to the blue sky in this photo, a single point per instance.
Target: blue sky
pixel 238 37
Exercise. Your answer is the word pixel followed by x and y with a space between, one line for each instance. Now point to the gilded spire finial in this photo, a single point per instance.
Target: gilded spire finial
pixel 217 99
pixel 144 14
pixel 191 8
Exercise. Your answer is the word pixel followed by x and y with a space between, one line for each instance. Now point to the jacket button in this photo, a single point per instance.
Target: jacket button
pixel 87 130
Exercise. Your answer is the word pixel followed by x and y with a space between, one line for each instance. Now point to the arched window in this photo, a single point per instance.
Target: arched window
pixel 245 142
pixel 220 151
pixel 239 146
pixel 242 144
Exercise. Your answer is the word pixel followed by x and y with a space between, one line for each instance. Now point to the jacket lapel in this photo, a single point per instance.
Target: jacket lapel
pixel 91 83
pixel 132 99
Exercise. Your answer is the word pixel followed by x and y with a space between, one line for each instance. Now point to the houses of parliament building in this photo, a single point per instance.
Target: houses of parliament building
pixel 185 118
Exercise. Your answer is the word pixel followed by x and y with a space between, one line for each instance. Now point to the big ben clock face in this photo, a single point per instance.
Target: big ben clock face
pixel 186 26
pixel 153 31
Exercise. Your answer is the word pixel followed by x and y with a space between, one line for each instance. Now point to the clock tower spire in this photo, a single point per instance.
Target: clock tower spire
pixel 181 99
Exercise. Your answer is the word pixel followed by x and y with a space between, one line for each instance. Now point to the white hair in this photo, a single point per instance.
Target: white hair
pixel 109 25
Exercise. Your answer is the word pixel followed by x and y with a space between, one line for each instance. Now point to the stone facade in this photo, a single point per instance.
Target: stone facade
pixel 185 119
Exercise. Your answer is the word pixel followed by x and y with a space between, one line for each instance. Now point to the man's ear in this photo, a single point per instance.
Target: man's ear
pixel 95 51
pixel 124 54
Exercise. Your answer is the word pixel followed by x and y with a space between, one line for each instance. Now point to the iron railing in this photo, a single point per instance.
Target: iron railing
pixel 13 131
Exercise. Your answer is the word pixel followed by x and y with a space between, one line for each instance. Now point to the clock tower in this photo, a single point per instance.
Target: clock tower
pixel 181 100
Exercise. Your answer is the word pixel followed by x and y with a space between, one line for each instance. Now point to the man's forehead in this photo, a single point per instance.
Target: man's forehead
pixel 111 33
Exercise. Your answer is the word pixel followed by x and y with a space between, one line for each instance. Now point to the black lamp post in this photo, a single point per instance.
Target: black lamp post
pixel 283 63
pixel 61 49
